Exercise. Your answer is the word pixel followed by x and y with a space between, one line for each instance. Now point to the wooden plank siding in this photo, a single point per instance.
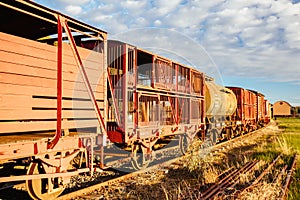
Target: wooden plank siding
pixel 28 86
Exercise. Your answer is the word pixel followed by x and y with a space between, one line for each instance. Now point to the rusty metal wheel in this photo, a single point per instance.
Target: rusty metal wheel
pixel 184 143
pixel 229 133
pixel 139 158
pixel 247 129
pixel 213 136
pixel 240 130
pixel 46 188
pixel 236 132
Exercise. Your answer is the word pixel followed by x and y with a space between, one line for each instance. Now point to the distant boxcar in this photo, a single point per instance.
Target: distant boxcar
pixel 246 112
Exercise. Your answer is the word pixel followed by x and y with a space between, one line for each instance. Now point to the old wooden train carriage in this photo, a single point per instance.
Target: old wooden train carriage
pixel 53 96
pixel 151 97
pixel 65 90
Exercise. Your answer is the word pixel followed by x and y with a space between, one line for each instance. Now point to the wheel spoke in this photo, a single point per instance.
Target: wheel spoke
pixel 213 136
pixel 47 188
pixel 184 143
pixel 140 160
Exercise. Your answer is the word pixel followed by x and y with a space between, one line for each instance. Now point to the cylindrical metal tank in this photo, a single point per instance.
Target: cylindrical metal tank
pixel 219 100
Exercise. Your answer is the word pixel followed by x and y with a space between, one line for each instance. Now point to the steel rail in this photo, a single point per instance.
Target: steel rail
pixel 288 179
pixel 250 168
pixel 41 176
pixel 90 189
pixel 127 158
pixel 240 138
pixel 279 177
pixel 266 170
pixel 262 175
pixel 230 179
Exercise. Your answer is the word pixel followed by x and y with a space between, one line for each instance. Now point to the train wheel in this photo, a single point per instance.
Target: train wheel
pixel 240 130
pixel 229 133
pixel 236 132
pixel 247 129
pixel 46 188
pixel 213 136
pixel 184 143
pixel 140 159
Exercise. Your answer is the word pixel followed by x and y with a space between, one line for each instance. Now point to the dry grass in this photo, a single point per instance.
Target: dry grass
pixel 262 191
pixel 193 175
pixel 283 146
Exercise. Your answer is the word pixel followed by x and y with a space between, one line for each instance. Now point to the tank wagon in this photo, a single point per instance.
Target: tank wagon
pixel 68 93
pixel 221 104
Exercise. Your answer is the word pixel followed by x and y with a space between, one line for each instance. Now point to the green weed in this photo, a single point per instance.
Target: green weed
pixel 291 132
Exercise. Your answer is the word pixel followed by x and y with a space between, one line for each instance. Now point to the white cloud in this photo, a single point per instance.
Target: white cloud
pixel 157 22
pixel 133 4
pixel 72 2
pixel 163 7
pixel 244 37
pixel 73 10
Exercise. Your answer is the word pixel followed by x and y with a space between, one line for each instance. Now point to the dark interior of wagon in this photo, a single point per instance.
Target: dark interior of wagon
pixel 33 21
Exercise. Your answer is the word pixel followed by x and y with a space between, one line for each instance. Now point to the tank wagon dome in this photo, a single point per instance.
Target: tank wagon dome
pixel 219 100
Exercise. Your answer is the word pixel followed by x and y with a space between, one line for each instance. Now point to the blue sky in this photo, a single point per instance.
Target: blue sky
pixel 249 43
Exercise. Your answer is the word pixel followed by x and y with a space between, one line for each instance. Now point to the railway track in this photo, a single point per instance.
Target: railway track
pixel 237 141
pixel 288 178
pixel 86 192
pixel 229 179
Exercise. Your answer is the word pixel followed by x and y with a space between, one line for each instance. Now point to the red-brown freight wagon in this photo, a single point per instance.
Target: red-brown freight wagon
pixel 268 111
pixel 261 111
pixel 246 112
pixel 151 97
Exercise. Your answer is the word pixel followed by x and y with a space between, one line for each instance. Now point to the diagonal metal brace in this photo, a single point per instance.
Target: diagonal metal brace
pixel 84 76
